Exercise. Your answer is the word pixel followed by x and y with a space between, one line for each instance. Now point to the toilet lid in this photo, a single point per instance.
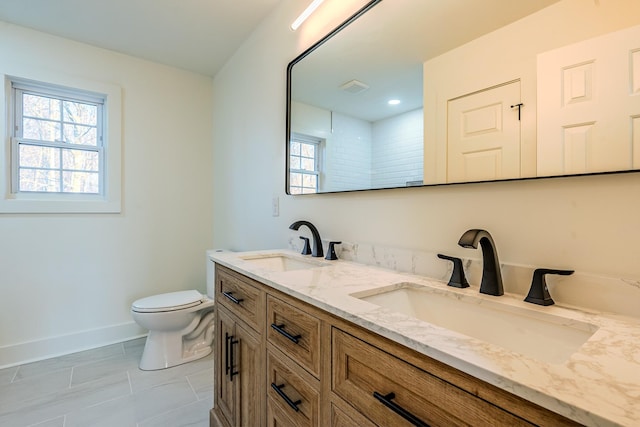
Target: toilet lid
pixel 168 302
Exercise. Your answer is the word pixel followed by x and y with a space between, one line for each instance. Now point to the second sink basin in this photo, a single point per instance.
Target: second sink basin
pixel 281 262
pixel 534 334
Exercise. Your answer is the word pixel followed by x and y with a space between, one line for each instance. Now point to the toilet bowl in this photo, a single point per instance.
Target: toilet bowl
pixel 181 326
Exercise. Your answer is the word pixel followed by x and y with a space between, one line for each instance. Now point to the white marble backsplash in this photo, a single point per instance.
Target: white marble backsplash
pixel 581 290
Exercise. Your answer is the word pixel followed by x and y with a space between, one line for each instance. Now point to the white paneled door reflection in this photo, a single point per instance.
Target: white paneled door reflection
pixel 589 105
pixel 483 138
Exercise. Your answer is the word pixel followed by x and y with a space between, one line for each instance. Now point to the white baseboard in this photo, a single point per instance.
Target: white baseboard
pixel 32 351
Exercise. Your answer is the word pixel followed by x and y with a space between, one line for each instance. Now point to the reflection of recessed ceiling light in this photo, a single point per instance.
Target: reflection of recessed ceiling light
pixel 393 102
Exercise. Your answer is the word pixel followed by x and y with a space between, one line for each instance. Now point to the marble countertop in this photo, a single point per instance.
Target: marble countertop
pixel 597 385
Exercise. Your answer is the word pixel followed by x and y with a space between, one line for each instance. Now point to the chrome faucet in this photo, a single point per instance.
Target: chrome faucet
pixel 317 242
pixel 491 283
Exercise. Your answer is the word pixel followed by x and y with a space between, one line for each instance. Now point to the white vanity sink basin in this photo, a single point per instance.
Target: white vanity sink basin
pixel 281 262
pixel 532 333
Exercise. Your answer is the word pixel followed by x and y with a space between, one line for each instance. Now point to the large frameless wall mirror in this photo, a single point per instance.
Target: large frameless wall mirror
pixel 418 92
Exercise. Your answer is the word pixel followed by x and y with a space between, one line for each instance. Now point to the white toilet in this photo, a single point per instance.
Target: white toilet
pixel 181 327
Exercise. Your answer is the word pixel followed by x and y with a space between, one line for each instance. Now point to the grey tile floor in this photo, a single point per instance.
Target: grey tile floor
pixel 103 387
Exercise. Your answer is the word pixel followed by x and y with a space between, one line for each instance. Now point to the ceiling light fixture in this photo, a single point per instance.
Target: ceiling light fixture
pixel 393 102
pixel 304 15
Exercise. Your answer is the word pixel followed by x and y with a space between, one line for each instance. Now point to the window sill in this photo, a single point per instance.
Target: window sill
pixel 39 203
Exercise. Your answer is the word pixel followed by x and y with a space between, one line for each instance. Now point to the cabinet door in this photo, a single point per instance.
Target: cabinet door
pixel 225 390
pixel 248 356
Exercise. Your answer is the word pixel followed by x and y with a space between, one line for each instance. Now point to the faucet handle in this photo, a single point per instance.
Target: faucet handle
pixel 457 280
pixel 331 252
pixel 307 249
pixel 539 293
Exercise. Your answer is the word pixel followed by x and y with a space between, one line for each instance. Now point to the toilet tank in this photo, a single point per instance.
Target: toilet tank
pixel 210 279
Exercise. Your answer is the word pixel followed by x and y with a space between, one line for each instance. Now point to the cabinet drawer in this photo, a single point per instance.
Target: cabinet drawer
pixel 359 370
pixel 347 417
pixel 295 333
pixel 240 297
pixel 293 398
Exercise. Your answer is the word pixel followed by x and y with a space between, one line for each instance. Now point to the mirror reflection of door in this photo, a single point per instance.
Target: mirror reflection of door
pixel 483 137
pixel 589 102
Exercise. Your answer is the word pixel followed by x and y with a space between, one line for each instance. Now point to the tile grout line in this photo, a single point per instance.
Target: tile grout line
pixel 192 389
pixel 71 377
pixel 15 374
pixel 130 385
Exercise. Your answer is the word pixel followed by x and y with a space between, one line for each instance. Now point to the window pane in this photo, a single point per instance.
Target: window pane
pixel 39 180
pixel 58 140
pixel 41 130
pixel 296 179
pixel 294 163
pixel 81 160
pixel 309 181
pixel 295 148
pixel 40 106
pixel 78 134
pixel 295 190
pixel 308 165
pixel 77 112
pixel 80 182
pixel 39 157
pixel 308 190
pixel 308 150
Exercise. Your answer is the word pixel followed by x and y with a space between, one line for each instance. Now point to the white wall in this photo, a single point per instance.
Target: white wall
pixel 586 223
pixel 61 274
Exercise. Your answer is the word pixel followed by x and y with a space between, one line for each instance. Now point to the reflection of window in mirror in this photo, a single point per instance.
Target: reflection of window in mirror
pixel 304 163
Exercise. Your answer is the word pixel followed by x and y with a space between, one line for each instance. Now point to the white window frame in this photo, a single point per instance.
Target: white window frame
pixel 306 139
pixel 108 200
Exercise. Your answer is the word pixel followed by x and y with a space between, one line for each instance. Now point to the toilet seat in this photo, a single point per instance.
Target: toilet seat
pixel 171 301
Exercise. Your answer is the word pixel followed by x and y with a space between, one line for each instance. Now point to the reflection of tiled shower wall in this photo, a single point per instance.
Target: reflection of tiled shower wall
pixel 347 155
pixel 398 151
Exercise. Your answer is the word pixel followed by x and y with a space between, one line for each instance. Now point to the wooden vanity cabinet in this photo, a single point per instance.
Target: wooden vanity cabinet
pixel 239 359
pixel 301 366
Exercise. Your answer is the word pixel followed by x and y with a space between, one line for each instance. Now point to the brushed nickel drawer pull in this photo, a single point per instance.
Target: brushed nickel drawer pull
pixel 386 401
pixel 232 298
pixel 280 329
pixel 278 389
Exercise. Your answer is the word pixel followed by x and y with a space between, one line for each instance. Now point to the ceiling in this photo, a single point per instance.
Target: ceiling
pixel 196 35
